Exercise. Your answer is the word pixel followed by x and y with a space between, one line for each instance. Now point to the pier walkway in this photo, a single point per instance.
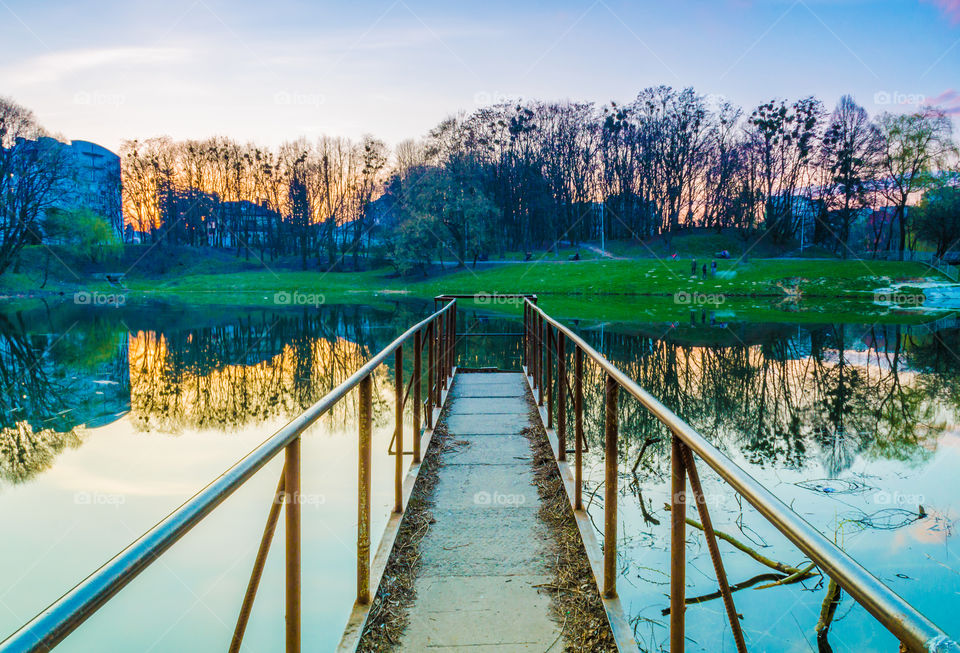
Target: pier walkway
pixel 486 555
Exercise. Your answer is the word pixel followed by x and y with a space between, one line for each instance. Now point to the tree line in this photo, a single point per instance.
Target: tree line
pixel 532 174
pixel 522 176
pixel 291 201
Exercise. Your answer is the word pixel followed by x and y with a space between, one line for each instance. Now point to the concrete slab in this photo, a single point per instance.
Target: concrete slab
pixel 478 424
pixel 481 449
pixel 493 486
pixel 486 553
pixel 478 541
pixel 481 613
pixel 491 406
pixel 490 390
pixel 468 378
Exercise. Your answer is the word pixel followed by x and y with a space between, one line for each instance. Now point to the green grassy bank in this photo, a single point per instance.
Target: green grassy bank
pixel 638 289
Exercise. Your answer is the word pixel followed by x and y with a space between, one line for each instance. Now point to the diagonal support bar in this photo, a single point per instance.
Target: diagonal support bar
pixel 712 546
pixel 259 562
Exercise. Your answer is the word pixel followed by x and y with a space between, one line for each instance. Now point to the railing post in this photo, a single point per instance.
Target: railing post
pixel 524 362
pixel 561 396
pixel 578 429
pixel 291 483
pixel 446 351
pixel 678 546
pixel 533 351
pixel 398 426
pixel 710 536
pixel 417 372
pixel 452 348
pixel 549 384
pixel 540 367
pixel 439 345
pixel 530 345
pixel 611 467
pixel 430 375
pixel 363 491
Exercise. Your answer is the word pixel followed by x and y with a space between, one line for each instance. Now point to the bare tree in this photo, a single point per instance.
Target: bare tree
pixel 32 171
pixel 914 144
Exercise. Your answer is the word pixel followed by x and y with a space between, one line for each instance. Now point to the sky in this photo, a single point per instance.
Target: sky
pixel 275 70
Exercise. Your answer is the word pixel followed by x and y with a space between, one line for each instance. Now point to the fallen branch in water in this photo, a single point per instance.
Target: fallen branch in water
pixel 753 553
pixel 792 578
pixel 827 609
pixel 703 598
pixel 643 450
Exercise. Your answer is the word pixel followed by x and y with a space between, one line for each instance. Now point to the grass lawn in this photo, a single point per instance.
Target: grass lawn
pixel 758 278
pixel 646 289
pixel 766 277
pixel 611 290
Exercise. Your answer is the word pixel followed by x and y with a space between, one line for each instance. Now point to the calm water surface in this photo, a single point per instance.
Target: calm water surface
pixel 111 418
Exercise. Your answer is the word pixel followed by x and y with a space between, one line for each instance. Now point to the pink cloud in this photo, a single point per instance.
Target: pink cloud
pixel 949 100
pixel 950 8
pixel 946 96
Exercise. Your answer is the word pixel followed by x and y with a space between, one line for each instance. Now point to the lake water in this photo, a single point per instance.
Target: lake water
pixel 112 418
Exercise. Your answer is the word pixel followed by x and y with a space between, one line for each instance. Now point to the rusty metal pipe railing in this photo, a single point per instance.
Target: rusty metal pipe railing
pixel 678 546
pixel 549 382
pixel 711 538
pixel 561 396
pixel 417 373
pixel 915 632
pixel 398 429
pixel 578 429
pixel 68 612
pixel 259 563
pixel 291 481
pixel 364 455
pixel 610 432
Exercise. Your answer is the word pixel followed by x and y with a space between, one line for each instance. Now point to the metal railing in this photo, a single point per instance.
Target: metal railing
pixel 55 623
pixel 545 341
pixel 927 258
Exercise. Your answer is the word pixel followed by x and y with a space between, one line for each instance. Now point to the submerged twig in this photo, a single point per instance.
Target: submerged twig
pixel 753 553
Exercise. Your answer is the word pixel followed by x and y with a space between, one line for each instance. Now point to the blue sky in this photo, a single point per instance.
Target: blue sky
pixel 273 70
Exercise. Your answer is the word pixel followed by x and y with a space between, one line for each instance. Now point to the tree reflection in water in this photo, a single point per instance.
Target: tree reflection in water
pixel 784 396
pixel 777 395
pixel 251 370
pixel 58 375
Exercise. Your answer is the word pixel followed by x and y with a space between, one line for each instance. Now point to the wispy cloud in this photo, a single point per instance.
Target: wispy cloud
pixel 54 66
pixel 948 101
pixel 950 8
